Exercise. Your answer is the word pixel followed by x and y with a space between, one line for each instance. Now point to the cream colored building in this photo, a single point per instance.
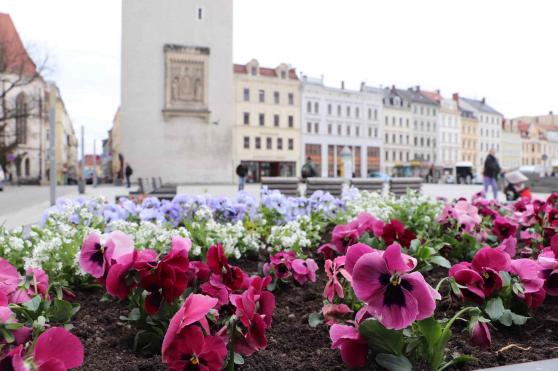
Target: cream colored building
pixel 398 147
pixel 512 148
pixel 266 133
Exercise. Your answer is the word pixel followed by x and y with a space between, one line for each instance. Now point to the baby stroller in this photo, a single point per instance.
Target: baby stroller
pixel 516 186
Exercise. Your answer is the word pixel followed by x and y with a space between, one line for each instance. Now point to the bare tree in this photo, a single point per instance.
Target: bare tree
pixel 18 72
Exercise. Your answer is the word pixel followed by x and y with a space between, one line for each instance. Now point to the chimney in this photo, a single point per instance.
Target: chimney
pixel 455 97
pixel 342 84
pixel 418 88
pixel 362 86
pixel 438 92
pixel 393 87
pixel 483 100
pixel 550 113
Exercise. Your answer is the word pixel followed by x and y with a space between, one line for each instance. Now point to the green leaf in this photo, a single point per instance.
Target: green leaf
pixel 494 308
pixel 394 363
pixel 441 261
pixel 458 360
pixel 33 304
pixel 380 339
pixel 238 359
pixel 506 278
pixel 315 319
pixel 518 319
pixel 7 335
pixel 61 311
pixel 506 318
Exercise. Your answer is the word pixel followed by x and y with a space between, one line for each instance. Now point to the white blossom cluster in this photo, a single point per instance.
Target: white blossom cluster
pixel 234 237
pixel 152 235
pixel 290 236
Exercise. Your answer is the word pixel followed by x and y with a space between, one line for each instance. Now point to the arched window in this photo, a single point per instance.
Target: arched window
pixel 21 119
pixel 27 167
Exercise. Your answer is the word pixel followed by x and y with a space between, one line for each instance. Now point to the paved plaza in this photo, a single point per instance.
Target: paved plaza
pixel 24 205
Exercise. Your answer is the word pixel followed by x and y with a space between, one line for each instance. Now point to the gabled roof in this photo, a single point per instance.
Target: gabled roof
pixel 415 96
pixel 432 95
pixel 480 105
pixel 264 71
pixel 523 126
pixel 13 56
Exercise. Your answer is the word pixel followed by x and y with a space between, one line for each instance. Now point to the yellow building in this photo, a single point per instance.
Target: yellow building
pixel 66 144
pixel 115 135
pixel 469 137
pixel 266 134
pixel 533 144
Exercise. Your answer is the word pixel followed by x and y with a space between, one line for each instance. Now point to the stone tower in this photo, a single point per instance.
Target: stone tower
pixel 177 89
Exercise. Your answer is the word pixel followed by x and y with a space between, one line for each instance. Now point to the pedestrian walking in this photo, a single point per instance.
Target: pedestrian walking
pixel 128 173
pixel 308 169
pixel 241 171
pixel 490 173
pixel 2 176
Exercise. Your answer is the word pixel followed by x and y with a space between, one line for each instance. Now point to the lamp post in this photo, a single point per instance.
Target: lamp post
pixel 52 149
pixel 81 183
pixel 347 157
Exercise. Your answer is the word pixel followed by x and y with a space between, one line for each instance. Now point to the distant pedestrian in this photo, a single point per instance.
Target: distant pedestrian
pixel 241 171
pixel 2 176
pixel 491 172
pixel 308 169
pixel 128 173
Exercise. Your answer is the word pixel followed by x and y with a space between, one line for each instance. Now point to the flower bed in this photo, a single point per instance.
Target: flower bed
pixel 285 283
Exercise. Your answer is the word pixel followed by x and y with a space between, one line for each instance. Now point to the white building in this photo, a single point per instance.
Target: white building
pixel 335 118
pixel 177 89
pixel 398 135
pixel 490 127
pixel 511 151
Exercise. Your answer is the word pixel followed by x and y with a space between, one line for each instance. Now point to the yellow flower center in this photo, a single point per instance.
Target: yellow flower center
pixel 194 360
pixel 395 279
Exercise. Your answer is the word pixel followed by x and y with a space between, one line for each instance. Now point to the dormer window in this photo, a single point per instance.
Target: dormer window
pixel 283 75
pixel 253 71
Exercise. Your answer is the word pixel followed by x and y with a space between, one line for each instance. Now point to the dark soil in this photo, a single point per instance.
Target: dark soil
pixel 293 344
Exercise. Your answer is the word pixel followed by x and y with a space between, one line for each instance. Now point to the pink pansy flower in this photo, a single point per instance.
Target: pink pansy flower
pixel 9 277
pixel 37 281
pixel 95 258
pixel 281 263
pixel 343 236
pixel 504 228
pixel 304 270
pixel 352 346
pixel 333 286
pixel 549 270
pixel 189 349
pixel 528 271
pixel 509 246
pixel 480 335
pixel 467 215
pixel 57 349
pixel 394 295
pixel 334 313
pixel 482 276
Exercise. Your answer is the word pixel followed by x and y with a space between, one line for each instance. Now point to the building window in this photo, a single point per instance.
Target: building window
pixel 348 129
pixel 357 131
pixel 308 127
pixel 387 120
pixel 276 97
pixel 338 110
pixel 276 120
pixel 400 138
pixel 375 114
pixel 27 167
pixel 291 144
pixel 246 118
pixel 357 112
pixel 200 13
pixel 21 119
pixel 283 75
pixel 316 128
pixel 246 94
pixel 262 119
pixel 348 111
pixel 246 142
pixel 416 141
pixel 338 129
pixel 387 155
pixel 254 71
pixel 369 113
pixel 329 109
pixel 309 107
pixel 370 132
pixel 268 143
pixel 375 132
pixel 261 94
pixel 316 107
pixel 279 143
pixel 291 99
pixel 401 121
pixel 393 138
pixel 258 143
pixel 291 121
pixel 387 138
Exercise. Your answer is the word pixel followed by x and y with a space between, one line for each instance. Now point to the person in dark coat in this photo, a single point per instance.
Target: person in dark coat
pixel 308 169
pixel 128 172
pixel 490 173
pixel 241 171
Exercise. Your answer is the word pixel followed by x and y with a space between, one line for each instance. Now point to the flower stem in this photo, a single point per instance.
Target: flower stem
pixel 441 282
pixel 232 327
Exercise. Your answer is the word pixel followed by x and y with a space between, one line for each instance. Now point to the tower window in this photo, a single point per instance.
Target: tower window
pixel 200 13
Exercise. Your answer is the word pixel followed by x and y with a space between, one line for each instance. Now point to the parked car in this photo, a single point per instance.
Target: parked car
pixel 379 175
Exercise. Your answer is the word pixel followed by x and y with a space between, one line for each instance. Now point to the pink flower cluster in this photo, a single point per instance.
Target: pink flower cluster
pixel 345 235
pixel 284 264
pixel 465 215
pixel 54 349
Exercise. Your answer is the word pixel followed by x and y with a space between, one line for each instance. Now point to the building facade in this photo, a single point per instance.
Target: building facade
pixel 338 118
pixel 115 142
pixel 398 150
pixel 512 147
pixel 23 112
pixel 490 127
pixel 267 120
pixel 177 90
pixel 469 137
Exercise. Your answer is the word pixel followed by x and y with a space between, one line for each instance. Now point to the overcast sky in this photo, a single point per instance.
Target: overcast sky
pixel 504 50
